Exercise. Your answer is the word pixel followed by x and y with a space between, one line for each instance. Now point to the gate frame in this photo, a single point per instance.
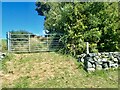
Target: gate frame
pixel 9 47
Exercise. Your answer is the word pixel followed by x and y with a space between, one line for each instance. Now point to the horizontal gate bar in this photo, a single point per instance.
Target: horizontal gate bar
pixel 20 38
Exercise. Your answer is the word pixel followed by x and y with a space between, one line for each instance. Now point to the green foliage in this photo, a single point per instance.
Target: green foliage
pixel 80 22
pixel 4 45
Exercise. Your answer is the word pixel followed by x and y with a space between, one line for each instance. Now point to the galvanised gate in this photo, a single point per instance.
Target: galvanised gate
pixel 33 43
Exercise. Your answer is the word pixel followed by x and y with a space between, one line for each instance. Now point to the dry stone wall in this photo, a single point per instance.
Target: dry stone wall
pixel 99 61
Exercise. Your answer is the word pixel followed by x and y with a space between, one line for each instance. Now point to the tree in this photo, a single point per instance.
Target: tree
pixel 80 22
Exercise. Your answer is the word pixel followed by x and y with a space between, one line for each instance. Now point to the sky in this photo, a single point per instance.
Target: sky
pixel 21 16
pixel 0 21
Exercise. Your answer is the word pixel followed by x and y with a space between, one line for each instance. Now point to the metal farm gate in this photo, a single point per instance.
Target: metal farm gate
pixel 32 43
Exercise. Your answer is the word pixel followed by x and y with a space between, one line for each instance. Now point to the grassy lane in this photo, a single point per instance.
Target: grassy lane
pixel 52 70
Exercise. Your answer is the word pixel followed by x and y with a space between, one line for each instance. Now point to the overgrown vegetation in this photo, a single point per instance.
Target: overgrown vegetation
pixel 4 45
pixel 81 22
pixel 52 70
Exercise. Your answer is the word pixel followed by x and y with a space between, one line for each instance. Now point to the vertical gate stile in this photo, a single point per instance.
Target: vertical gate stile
pixel 10 41
pixel 29 42
pixel 47 43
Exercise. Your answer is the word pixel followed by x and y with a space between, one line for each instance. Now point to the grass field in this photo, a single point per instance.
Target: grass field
pixel 52 70
pixel 4 45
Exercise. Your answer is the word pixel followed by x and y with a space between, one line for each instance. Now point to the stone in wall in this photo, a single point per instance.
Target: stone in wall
pixel 99 61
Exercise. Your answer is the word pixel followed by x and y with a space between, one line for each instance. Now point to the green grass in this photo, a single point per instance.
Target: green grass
pixel 52 70
pixel 4 45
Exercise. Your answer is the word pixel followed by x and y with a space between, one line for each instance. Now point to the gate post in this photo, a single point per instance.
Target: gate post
pixel 8 41
pixel 87 46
